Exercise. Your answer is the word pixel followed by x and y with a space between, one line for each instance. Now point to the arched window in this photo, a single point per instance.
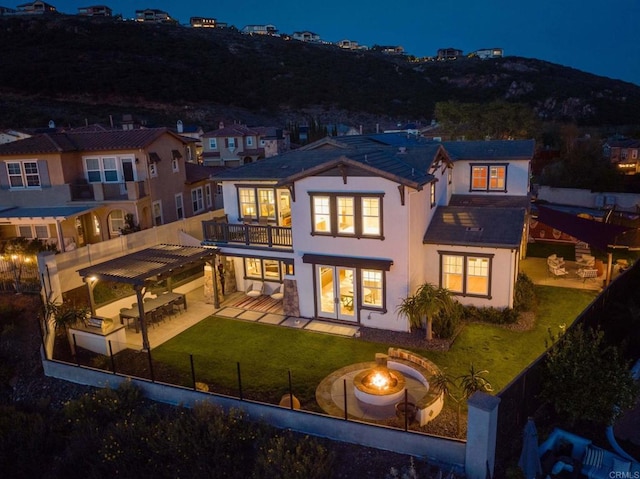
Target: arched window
pixel 116 222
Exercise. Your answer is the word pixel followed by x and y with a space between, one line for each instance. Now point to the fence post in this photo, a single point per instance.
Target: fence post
pixel 482 425
pixel 239 381
pixel 290 392
pixel 193 373
pixel 113 361
pixel 75 345
pixel 150 365
pixel 346 416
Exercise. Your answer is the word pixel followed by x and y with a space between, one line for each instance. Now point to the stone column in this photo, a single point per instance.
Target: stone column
pixel 208 284
pixel 481 435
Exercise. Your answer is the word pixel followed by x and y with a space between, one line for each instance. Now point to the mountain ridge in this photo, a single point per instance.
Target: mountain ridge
pixel 77 70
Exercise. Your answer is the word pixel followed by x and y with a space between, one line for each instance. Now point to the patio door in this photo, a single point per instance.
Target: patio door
pixel 127 174
pixel 336 292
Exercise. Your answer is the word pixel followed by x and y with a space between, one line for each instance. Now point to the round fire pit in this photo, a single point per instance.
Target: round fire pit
pixel 379 386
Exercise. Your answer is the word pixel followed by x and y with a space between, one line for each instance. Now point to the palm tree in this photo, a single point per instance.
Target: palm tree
pixel 474 381
pixel 428 302
pixel 434 301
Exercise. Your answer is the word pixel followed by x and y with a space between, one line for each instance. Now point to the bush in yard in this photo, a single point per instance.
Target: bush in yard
pixel 445 325
pixel 525 297
pixel 490 315
pixel 586 379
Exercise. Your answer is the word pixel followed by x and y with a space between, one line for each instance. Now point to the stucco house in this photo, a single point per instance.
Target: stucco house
pixel 95 11
pixel 624 154
pixel 350 226
pixel 306 36
pixel 238 144
pixel 77 187
pixel 37 7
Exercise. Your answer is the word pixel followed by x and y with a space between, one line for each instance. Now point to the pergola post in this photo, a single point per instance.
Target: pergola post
pixel 142 318
pixel 91 283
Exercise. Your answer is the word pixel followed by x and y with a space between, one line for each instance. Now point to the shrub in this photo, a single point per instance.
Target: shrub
pixel 490 315
pixel 525 297
pixel 446 325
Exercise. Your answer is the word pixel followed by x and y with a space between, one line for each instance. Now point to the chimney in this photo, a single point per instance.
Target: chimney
pixel 361 129
pixel 180 126
pixel 221 125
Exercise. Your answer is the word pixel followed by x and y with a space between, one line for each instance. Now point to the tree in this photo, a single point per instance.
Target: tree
pixel 587 379
pixel 18 252
pixel 424 306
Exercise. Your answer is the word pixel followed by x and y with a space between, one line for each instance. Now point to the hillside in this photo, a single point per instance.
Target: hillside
pixel 76 70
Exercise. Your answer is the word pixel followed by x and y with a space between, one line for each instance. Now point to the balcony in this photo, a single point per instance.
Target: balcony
pixel 249 235
pixel 131 190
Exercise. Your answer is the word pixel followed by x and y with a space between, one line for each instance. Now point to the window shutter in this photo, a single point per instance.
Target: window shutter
pixel 4 176
pixel 43 170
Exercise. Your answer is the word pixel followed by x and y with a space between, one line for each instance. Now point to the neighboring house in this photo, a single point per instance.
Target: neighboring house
pixel 389 49
pixel 95 11
pixel 350 45
pixel 238 145
pixel 352 225
pixel 306 36
pixel 194 132
pixel 484 53
pixel 77 188
pixel 260 29
pixel 37 7
pixel 7 11
pixel 204 22
pixel 449 53
pixel 152 15
pixel 624 154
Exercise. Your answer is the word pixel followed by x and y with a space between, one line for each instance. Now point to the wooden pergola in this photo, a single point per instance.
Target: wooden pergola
pixel 146 267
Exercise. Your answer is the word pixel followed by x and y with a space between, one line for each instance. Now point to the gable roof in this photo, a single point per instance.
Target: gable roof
pixel 409 168
pixel 195 172
pixel 85 141
pixel 477 226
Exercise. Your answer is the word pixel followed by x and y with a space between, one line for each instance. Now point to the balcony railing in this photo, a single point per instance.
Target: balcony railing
pixel 250 235
pixel 132 190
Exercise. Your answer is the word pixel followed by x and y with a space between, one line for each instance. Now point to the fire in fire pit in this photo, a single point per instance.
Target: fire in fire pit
pixel 379 386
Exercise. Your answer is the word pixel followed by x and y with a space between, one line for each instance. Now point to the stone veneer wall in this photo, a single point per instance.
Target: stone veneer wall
pixel 291 300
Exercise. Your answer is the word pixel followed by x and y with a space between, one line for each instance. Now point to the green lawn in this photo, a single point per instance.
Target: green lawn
pixel 266 353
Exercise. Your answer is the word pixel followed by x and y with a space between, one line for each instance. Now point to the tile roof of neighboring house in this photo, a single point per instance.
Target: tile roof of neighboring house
pixel 627 143
pixel 408 168
pixel 195 172
pixel 228 131
pixel 252 152
pixel 84 141
pixel 464 225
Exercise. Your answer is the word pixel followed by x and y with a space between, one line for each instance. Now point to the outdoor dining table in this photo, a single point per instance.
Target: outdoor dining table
pixel 149 306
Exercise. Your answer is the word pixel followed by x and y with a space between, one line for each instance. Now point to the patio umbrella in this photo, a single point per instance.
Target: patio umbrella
pixel 529 459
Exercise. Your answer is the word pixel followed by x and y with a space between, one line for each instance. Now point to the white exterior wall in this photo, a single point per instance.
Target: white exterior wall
pixel 517 177
pixel 394 246
pixel 503 270
pixel 587 198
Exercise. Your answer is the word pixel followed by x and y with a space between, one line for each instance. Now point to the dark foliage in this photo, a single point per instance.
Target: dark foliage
pixel 82 69
pixel 490 315
pixel 525 298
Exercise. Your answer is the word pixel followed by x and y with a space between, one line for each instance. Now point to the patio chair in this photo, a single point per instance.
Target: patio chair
pixel 255 289
pixel 586 260
pixel 557 272
pixel 555 261
pixel 277 294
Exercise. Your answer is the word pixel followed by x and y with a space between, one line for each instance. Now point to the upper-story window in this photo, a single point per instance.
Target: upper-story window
pixel 249 141
pixel 230 142
pixel 259 203
pixel 197 200
pixel 23 174
pixel 213 144
pixel 432 194
pixel 175 167
pixel 356 215
pixel 101 170
pixel 488 178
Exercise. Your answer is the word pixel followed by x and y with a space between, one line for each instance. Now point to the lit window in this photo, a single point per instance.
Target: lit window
pixel 496 175
pixel 247 197
pixel 479 178
pixel 432 194
pixel 488 178
pixel 321 214
pixel 372 288
pixel 371 216
pixel 346 215
pixel 466 275
pixel 264 269
pixel 271 269
pixel 267 203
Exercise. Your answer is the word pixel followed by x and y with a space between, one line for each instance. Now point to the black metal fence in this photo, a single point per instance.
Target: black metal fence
pixel 613 312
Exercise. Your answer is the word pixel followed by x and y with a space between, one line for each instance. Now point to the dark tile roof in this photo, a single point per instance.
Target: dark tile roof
pixel 228 131
pixel 84 141
pixel 477 226
pixel 490 200
pixel 410 167
pixel 498 150
pixel 195 172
